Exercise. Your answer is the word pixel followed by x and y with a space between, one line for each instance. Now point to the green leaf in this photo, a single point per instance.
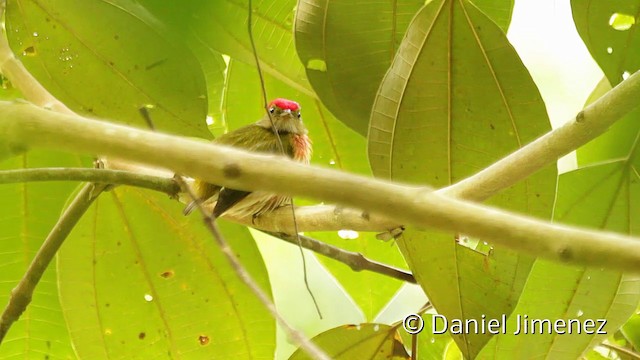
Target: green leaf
pixel 137 277
pixel 89 55
pixel 499 11
pixel 455 88
pixel 221 25
pixel 594 355
pixel 364 341
pixel 631 330
pixel 456 99
pixel 28 213
pixel 600 196
pixel 347 46
pixel 608 29
pixel 7 90
pixel 465 284
pixel 430 346
pixel 617 141
pixel 335 146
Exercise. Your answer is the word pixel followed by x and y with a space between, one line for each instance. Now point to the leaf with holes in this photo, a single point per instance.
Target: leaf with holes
pixel 609 30
pixel 137 277
pixel 87 53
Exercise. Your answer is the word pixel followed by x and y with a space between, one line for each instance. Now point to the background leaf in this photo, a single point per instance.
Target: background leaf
pixel 609 30
pixel 28 213
pixel 616 142
pixel 499 11
pixel 86 53
pixel 346 47
pixel 137 277
pixel 222 26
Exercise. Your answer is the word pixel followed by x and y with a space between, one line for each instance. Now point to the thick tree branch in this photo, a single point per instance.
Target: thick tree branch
pixel 594 120
pixel 25 126
pixel 319 218
pixel 22 293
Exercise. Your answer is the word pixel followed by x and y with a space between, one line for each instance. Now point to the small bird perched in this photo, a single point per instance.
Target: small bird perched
pixel 283 121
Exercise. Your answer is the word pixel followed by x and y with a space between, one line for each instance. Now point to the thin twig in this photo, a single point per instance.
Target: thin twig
pixel 356 261
pixel 309 347
pixel 22 293
pixel 116 177
pixel 265 102
pixel 621 350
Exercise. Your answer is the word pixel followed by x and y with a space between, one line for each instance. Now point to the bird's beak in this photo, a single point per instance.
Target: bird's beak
pixel 287 111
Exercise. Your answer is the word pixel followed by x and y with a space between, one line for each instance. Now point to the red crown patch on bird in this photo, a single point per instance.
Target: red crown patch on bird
pixel 285 104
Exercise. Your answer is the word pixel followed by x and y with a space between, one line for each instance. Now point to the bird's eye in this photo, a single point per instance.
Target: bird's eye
pixel 299 115
pixel 272 110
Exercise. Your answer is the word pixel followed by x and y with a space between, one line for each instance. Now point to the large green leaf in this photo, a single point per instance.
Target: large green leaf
pixel 616 142
pixel 28 213
pixel 109 58
pixel 603 196
pixel 139 279
pixel 499 11
pixel 221 25
pixel 609 30
pixel 364 341
pixel 456 99
pixel 347 46
pixel 335 146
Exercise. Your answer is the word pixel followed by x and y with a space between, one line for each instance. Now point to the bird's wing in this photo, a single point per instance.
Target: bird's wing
pixel 227 199
pixel 261 142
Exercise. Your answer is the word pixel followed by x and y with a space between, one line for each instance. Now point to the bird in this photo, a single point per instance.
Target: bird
pixel 282 121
